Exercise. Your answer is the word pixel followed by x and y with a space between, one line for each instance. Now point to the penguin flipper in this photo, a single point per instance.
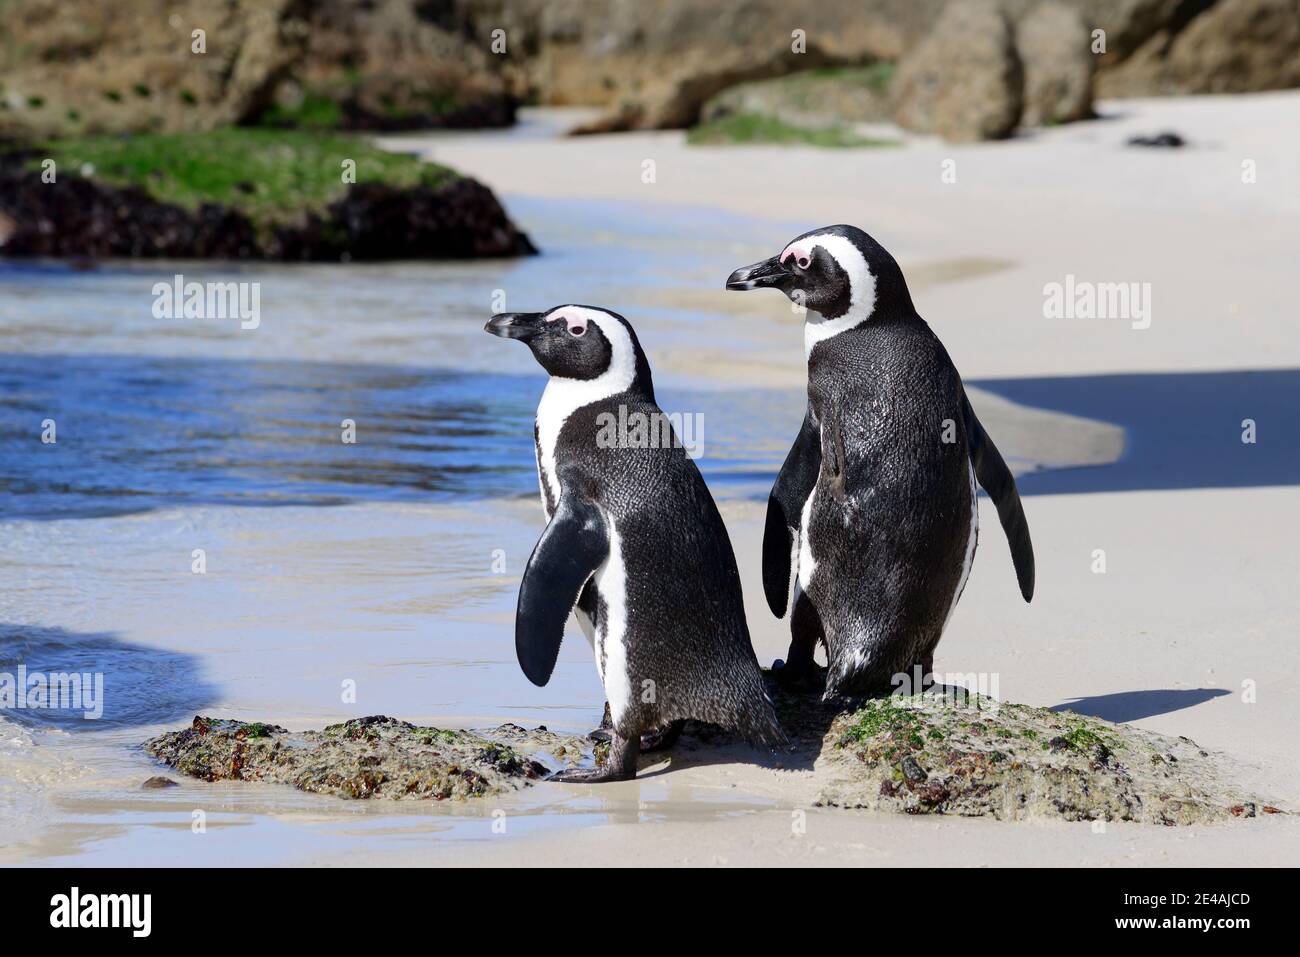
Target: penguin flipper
pixel 573 546
pixel 785 510
pixel 998 481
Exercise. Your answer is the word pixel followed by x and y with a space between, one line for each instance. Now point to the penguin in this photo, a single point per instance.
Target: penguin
pixel 874 510
pixel 634 543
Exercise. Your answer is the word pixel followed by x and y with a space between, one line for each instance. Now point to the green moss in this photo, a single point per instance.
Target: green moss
pixel 315 112
pixel 256 729
pixel 272 176
pixel 1083 739
pixel 875 77
pixel 880 716
pixel 757 128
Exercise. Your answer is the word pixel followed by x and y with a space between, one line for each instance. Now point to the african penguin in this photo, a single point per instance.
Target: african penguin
pixel 875 505
pixel 634 542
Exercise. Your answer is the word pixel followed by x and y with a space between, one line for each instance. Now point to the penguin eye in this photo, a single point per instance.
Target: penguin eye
pixel 803 262
pixel 577 331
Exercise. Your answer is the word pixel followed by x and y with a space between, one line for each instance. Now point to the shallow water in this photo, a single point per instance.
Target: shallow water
pixel 391 563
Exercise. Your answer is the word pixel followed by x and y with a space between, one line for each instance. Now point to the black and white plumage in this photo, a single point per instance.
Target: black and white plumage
pixel 634 544
pixel 874 510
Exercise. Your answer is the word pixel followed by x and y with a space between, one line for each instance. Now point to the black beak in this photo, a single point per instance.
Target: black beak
pixel 515 325
pixel 769 272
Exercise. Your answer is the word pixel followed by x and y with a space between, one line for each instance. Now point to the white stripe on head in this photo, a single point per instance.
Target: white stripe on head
pixel 862 286
pixel 564 396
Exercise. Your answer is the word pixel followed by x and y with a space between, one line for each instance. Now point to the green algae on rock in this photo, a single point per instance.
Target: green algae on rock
pixel 377 757
pixel 245 194
pixel 938 753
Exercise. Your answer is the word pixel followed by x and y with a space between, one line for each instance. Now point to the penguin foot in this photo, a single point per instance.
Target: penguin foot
pixel 620 766
pixel 661 739
pixel 796 675
pixel 590 775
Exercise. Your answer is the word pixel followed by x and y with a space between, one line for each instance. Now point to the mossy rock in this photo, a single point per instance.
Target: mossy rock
pixel 373 757
pixel 948 752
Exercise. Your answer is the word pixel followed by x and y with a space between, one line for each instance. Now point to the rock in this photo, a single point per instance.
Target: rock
pixel 1233 46
pixel 654 65
pixel 81 217
pixel 1166 140
pixel 819 99
pixel 83 66
pixel 964 80
pixel 158 783
pixel 87 67
pixel 941 752
pixel 374 757
pixel 390 65
pixel 1054 47
pixel 946 753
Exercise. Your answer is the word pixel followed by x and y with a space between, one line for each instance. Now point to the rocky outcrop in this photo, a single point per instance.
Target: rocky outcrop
pixel 656 64
pixel 390 65
pixel 376 757
pixel 84 66
pixel 1054 47
pixel 1234 46
pixel 941 752
pixel 816 99
pixel 964 80
pixel 88 67
pixel 78 66
pixel 86 218
pixel 974 757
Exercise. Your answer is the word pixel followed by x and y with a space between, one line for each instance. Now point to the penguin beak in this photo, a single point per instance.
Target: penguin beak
pixel 770 272
pixel 515 325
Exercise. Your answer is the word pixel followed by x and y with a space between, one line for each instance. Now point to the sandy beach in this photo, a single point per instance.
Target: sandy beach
pixel 1128 439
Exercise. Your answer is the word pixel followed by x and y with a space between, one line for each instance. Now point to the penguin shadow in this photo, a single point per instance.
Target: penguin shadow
pixel 1183 430
pixel 1124 706
pixel 94 681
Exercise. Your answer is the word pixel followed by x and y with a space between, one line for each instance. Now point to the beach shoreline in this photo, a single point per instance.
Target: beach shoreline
pixel 1187 631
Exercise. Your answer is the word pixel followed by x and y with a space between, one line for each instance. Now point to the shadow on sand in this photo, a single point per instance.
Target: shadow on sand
pixel 1125 706
pixel 1182 430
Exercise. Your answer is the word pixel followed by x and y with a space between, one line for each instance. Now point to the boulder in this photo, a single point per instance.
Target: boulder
pixel 654 65
pixel 1054 45
pixel 375 757
pixel 816 99
pixel 1235 46
pixel 390 65
pixel 964 80
pixel 80 216
pixel 86 67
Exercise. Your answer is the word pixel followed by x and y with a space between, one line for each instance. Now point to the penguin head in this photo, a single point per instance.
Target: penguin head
pixel 837 272
pixel 584 343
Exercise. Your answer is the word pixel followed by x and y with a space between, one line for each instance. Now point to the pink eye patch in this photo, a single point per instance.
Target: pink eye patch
pixel 802 256
pixel 577 324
